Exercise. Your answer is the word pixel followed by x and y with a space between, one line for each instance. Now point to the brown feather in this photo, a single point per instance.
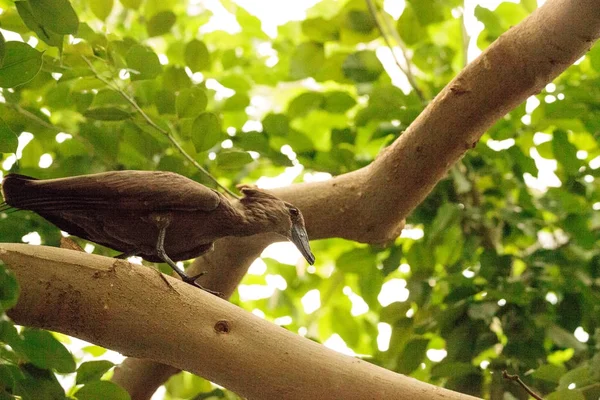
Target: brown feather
pixel 127 190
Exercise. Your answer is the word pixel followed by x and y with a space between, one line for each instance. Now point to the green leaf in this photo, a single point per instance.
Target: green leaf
pixel 566 394
pixel 49 37
pixel 101 390
pixel 2 49
pixel 446 216
pixel 237 102
pixel 191 102
pixel 107 114
pixel 39 384
pixel 144 63
pixel 359 21
pixel 206 131
pixel 92 371
pixel 453 369
pixel 392 262
pixel 362 66
pixel 251 25
pixel 484 311
pixel 338 102
pixel 102 8
pixel 549 373
pixel 305 103
pixel 161 23
pixel 8 139
pixel 579 227
pixel 132 4
pixel 175 79
pixel 44 351
pixel 21 64
pixel 356 261
pixel 521 162
pixel 564 338
pixel 95 351
pixel 386 102
pixel 490 20
pixel 412 355
pixel 9 375
pixel 320 29
pixel 165 101
pixel 276 124
pixel 565 152
pixel 253 141
pixel 370 283
pixel 9 287
pixel 594 55
pixel 197 56
pixel 187 386
pixel 307 60
pixel 233 159
pixel 428 11
pixel 421 259
pixel 56 15
pixel 237 82
pixel 10 336
pixel 409 28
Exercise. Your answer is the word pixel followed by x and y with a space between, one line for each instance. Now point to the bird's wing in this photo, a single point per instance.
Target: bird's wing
pixel 119 190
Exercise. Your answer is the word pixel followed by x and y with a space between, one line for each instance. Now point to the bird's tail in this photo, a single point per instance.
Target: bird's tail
pixel 15 188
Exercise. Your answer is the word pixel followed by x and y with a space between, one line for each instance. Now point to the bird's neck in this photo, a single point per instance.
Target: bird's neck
pixel 252 219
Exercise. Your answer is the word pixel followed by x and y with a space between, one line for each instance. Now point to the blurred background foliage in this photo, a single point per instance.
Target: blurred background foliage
pixel 499 268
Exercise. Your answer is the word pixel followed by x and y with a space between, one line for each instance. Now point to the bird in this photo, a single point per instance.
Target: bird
pixel 157 215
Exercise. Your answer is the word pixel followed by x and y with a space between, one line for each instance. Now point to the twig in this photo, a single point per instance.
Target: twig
pixel 31 116
pixel 406 71
pixel 515 378
pixel 150 122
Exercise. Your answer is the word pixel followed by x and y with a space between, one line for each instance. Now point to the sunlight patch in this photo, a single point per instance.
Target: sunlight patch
pixel 335 342
pixel 384 335
pixel 393 291
pixel 33 238
pixel 311 301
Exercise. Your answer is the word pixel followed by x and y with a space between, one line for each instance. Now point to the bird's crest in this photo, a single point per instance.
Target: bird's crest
pixel 252 193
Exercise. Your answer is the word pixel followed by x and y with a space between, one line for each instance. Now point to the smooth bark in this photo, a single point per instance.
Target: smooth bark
pixel 369 205
pixel 136 311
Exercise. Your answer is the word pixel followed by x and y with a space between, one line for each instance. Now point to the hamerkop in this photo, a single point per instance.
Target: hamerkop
pixel 159 216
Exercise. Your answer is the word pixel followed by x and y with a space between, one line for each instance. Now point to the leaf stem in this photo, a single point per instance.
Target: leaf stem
pixel 32 116
pixel 153 124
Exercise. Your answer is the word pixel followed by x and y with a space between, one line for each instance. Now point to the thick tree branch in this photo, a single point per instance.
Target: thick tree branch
pixel 370 204
pixel 117 304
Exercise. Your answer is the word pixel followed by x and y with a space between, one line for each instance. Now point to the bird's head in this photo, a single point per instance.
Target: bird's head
pixel 278 216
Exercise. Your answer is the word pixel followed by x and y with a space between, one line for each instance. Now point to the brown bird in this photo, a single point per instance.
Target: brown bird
pixel 159 216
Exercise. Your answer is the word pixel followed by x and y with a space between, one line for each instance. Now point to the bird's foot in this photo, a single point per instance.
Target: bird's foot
pixel 192 281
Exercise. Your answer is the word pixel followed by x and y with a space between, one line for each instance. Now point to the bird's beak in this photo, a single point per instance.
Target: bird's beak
pixel 300 238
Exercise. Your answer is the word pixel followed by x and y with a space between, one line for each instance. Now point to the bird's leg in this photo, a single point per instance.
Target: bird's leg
pixel 163 222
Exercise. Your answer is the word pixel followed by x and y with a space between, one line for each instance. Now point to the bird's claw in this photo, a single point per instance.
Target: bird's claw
pixel 192 281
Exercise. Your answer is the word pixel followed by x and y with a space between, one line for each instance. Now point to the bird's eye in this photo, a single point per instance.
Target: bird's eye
pixel 294 211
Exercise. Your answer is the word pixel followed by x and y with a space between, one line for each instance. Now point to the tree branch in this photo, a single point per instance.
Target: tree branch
pixel 516 378
pixel 369 205
pixel 115 304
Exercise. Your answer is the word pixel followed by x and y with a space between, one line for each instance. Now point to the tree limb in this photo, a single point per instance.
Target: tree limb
pixel 369 205
pixel 116 304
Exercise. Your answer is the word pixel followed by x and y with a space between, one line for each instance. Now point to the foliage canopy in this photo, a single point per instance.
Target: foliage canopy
pixel 496 269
